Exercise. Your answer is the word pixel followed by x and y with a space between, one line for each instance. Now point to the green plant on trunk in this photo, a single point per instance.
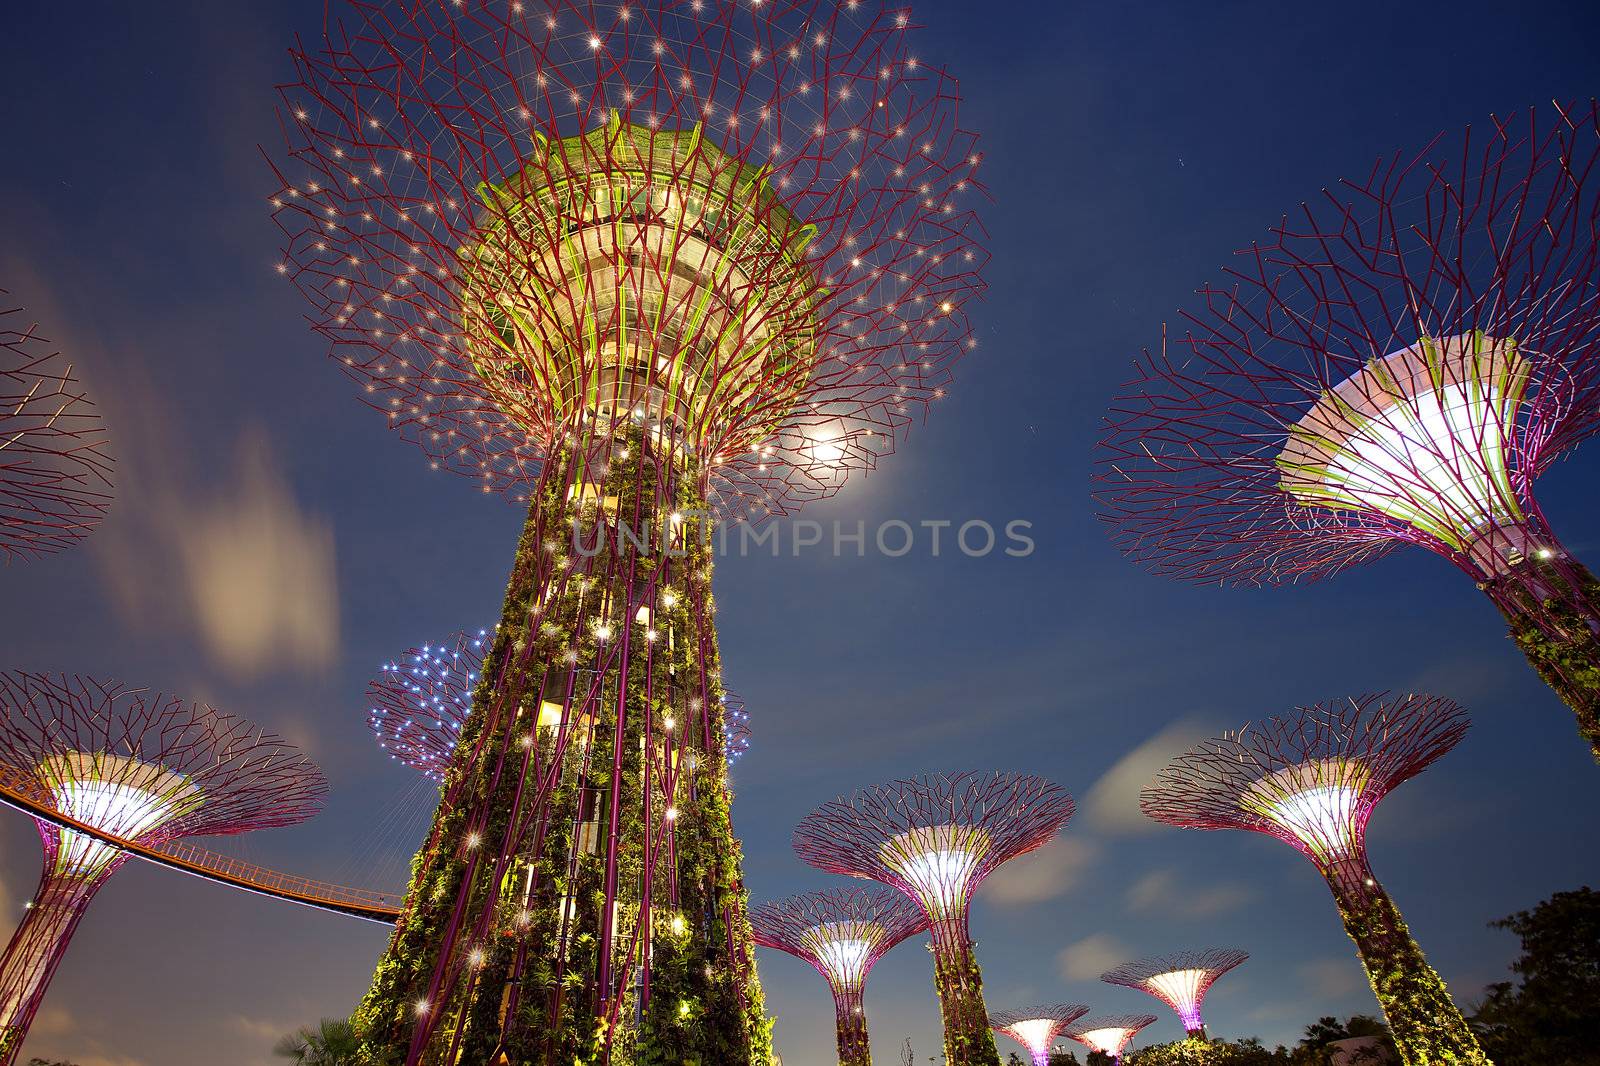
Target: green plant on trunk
pixel 1427 1027
pixel 1550 615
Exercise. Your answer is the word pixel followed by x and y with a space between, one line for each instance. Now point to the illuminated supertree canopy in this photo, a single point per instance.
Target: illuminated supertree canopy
pixel 638 266
pixel 1037 1028
pixel 842 933
pixel 134 765
pixel 936 838
pixel 1396 364
pixel 1109 1034
pixel 55 471
pixel 1312 779
pixel 1180 980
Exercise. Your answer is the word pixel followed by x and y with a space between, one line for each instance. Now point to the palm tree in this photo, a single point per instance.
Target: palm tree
pixel 333 1042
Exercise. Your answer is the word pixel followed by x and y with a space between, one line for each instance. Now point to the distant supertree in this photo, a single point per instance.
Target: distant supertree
pixel 1397 366
pixel 936 838
pixel 134 765
pixel 1037 1028
pixel 735 727
pixel 638 265
pixel 1312 779
pixel 421 701
pixel 842 933
pixel 55 475
pixel 1179 980
pixel 1109 1034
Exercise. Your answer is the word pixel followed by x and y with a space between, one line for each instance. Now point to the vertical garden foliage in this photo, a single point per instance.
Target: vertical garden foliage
pixel 1428 1027
pixel 968 1040
pixel 1551 615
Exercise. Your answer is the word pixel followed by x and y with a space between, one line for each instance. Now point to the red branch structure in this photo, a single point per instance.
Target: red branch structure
pixel 137 766
pixel 1312 779
pixel 1180 980
pixel 639 267
pixel 936 838
pixel 55 473
pixel 1037 1028
pixel 1109 1034
pixel 1396 364
pixel 842 933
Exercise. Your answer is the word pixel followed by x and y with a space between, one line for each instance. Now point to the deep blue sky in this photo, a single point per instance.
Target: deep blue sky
pixel 272 543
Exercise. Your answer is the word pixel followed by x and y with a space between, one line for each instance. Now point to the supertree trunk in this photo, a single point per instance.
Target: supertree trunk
pixel 967 1038
pixel 850 1024
pixel 35 950
pixel 579 897
pixel 1551 603
pixel 1427 1026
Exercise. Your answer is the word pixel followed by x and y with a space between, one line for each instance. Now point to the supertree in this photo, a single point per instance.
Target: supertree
pixel 1037 1028
pixel 421 700
pixel 636 266
pixel 1109 1034
pixel 1312 779
pixel 133 765
pixel 55 473
pixel 1180 980
pixel 842 933
pixel 936 838
pixel 736 731
pixel 1395 364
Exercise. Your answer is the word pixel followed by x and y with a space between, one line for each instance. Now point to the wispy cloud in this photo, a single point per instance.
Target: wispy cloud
pixel 1048 873
pixel 1112 805
pixel 1087 959
pixel 59 1034
pixel 1162 891
pixel 242 565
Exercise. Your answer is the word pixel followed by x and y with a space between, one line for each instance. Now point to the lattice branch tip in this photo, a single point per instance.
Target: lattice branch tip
pixel 1109 1034
pixel 55 470
pixel 1180 980
pixel 136 766
pixel 1397 364
pixel 1037 1028
pixel 1312 779
pixel 750 227
pixel 420 701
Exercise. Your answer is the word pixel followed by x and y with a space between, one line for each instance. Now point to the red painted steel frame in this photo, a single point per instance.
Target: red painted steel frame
pixel 55 472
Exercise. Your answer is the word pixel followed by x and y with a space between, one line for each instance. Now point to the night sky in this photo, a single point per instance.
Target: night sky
pixel 272 543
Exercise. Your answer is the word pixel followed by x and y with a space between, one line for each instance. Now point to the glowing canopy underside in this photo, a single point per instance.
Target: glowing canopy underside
pixel 1318 803
pixel 1424 436
pixel 939 863
pixel 118 795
